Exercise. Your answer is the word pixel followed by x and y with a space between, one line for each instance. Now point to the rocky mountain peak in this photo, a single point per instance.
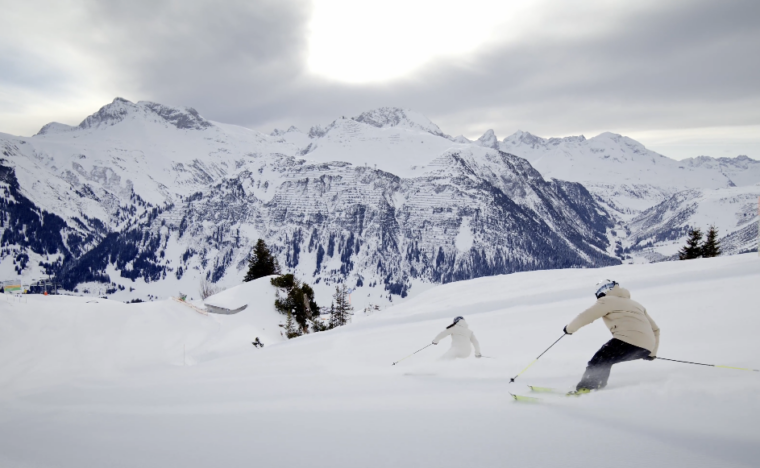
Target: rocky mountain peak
pixel 384 117
pixel 110 114
pixel 54 127
pixel 571 139
pixel 488 140
pixel 317 131
pixel 742 161
pixel 521 138
pixel 614 141
pixel 524 138
pixel 278 132
pixel 462 139
pixel 119 109
pixel 185 118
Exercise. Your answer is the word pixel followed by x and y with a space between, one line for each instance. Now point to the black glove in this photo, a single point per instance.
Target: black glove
pixel 565 330
pixel 650 358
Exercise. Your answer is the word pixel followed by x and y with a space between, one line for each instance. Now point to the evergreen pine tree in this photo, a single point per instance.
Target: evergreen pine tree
pixel 341 313
pixel 711 246
pixel 317 325
pixel 261 263
pixel 292 330
pixel 692 249
pixel 298 301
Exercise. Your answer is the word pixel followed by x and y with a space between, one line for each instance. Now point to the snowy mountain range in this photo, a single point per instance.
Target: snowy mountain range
pixel 658 199
pixel 142 198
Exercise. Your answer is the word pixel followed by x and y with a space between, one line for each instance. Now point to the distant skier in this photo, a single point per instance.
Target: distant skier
pixel 636 336
pixel 461 338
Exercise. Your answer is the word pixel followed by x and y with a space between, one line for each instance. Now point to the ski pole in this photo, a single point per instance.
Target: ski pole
pixel 431 344
pixel 539 356
pixel 708 365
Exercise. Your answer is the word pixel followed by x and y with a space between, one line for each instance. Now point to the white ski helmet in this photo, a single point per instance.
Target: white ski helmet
pixel 604 285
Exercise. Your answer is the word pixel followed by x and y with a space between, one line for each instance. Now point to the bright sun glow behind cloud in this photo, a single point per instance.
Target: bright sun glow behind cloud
pixel 360 42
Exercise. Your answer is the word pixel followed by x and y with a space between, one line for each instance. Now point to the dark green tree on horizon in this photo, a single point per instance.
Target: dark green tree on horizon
pixel 341 308
pixel 692 249
pixel 297 303
pixel 291 327
pixel 711 246
pixel 261 263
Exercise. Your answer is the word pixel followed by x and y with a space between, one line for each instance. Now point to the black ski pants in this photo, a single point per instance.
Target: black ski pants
pixel 611 353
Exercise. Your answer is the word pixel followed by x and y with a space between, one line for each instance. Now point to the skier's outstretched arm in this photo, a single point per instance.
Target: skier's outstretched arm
pixel 476 344
pixel 594 312
pixel 442 335
pixel 656 331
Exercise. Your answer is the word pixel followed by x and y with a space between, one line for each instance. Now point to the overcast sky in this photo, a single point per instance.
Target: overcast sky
pixel 682 77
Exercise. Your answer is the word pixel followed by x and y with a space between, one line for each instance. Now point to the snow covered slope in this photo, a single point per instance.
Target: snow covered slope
pixel 390 139
pixel 127 150
pixel 85 337
pixel 395 149
pixel 636 184
pixel 659 231
pixel 83 383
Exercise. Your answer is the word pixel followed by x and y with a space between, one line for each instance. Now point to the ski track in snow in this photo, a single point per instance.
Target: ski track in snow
pixel 93 382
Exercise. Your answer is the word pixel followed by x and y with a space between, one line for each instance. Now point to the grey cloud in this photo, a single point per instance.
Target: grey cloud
pixel 679 64
pixel 226 58
pixel 686 64
pixel 690 66
pixel 18 70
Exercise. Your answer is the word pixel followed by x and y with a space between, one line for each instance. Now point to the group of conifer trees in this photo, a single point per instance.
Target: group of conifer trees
pixel 296 300
pixel 696 248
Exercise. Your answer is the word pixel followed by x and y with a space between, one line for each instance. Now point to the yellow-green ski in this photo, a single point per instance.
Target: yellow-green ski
pixel 535 389
pixel 555 391
pixel 525 399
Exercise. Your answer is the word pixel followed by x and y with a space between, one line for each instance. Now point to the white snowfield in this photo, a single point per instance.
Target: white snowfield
pixel 97 383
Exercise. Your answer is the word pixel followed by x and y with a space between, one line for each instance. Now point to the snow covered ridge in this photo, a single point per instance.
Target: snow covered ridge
pixel 655 199
pixel 623 174
pixel 153 198
pixel 392 117
pixel 121 109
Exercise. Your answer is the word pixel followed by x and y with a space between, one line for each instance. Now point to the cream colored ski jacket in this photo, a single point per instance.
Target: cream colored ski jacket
pixel 627 320
pixel 461 338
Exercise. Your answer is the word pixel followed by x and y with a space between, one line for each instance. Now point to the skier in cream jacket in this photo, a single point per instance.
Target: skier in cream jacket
pixel 461 338
pixel 635 335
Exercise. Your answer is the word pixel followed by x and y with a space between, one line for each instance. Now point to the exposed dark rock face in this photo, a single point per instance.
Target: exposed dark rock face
pixel 26 228
pixel 187 119
pixel 363 225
